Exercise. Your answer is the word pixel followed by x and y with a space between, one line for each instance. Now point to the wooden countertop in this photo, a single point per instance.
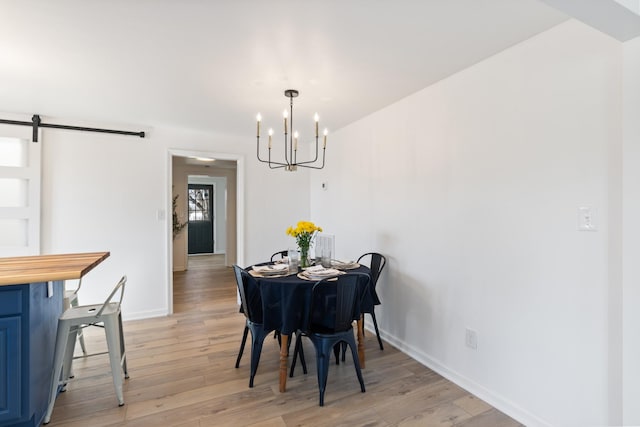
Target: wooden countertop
pixel 43 268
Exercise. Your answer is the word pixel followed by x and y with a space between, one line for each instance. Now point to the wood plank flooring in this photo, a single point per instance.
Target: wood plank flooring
pixel 182 375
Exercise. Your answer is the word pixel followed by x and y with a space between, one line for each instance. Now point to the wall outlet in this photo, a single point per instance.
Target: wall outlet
pixel 471 339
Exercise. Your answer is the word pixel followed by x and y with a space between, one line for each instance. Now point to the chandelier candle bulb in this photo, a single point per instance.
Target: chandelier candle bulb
pixel 270 135
pixel 295 141
pixel 316 118
pixel 324 144
pixel 285 121
pixel 258 118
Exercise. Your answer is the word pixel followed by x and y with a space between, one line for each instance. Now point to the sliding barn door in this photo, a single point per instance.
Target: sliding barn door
pixel 19 192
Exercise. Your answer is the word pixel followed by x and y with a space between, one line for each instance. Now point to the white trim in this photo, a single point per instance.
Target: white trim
pixel 141 315
pixel 214 213
pixel 239 159
pixel 497 401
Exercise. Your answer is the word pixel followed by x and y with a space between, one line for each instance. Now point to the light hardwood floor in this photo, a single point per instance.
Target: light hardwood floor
pixel 182 374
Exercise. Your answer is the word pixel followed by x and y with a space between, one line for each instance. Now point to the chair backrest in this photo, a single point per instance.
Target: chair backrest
pixel 250 299
pixel 77 289
pixel 279 254
pixel 335 303
pixel 377 263
pixel 119 286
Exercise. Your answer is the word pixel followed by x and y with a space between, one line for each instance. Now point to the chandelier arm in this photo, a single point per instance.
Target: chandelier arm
pixel 311 167
pixel 269 161
pixel 307 164
pixel 315 158
pixel 281 165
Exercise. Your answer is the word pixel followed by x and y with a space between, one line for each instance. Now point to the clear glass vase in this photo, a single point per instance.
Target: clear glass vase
pixel 304 257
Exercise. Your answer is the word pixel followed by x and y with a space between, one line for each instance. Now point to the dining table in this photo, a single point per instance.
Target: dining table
pixel 286 303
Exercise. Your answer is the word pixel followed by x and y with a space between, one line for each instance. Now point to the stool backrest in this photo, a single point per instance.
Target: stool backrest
pixel 77 289
pixel 119 286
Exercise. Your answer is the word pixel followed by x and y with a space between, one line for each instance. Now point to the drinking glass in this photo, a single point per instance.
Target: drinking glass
pixel 325 257
pixel 294 260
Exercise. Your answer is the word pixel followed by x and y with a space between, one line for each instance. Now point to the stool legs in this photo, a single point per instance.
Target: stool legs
pixel 74 303
pixel 123 353
pixel 112 332
pixel 67 368
pixel 62 343
pixel 71 300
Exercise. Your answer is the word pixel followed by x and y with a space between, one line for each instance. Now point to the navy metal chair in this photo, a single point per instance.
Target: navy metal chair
pixel 279 255
pixel 377 263
pixel 252 309
pixel 335 305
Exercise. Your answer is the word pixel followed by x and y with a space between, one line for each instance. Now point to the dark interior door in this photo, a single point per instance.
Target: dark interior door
pixel 200 219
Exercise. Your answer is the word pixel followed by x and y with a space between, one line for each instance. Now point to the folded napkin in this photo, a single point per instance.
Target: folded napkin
pixel 270 269
pixel 315 268
pixel 318 272
pixel 343 264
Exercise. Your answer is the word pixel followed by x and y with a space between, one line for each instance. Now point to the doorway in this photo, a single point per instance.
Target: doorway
pixel 226 172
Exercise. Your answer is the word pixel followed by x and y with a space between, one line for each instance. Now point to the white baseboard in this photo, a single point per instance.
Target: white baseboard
pixel 499 402
pixel 139 315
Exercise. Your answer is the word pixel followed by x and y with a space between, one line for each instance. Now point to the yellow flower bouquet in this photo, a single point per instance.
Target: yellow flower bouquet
pixel 304 232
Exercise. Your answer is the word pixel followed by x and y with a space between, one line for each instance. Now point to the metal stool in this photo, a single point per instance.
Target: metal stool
pixel 73 320
pixel 71 300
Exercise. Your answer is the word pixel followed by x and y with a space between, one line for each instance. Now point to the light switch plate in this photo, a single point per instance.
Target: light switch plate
pixel 586 220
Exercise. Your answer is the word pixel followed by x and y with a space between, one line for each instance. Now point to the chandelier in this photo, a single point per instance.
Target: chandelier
pixel 291 162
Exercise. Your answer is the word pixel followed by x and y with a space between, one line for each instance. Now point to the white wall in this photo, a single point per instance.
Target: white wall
pixel 471 188
pixel 631 212
pixel 103 192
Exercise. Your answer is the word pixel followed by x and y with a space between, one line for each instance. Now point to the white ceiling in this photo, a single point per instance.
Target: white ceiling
pixel 212 65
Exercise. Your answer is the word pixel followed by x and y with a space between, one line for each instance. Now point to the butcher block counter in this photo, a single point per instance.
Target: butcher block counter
pixel 44 268
pixel 31 298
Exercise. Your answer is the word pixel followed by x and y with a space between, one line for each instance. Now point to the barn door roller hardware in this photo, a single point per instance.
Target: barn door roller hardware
pixel 36 123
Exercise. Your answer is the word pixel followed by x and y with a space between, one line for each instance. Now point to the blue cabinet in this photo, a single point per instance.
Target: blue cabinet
pixel 9 368
pixel 28 323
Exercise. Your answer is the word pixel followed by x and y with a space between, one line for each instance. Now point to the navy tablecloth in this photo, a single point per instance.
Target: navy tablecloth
pixel 286 301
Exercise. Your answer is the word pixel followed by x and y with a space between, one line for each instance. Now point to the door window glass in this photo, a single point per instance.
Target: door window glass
pixel 199 204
